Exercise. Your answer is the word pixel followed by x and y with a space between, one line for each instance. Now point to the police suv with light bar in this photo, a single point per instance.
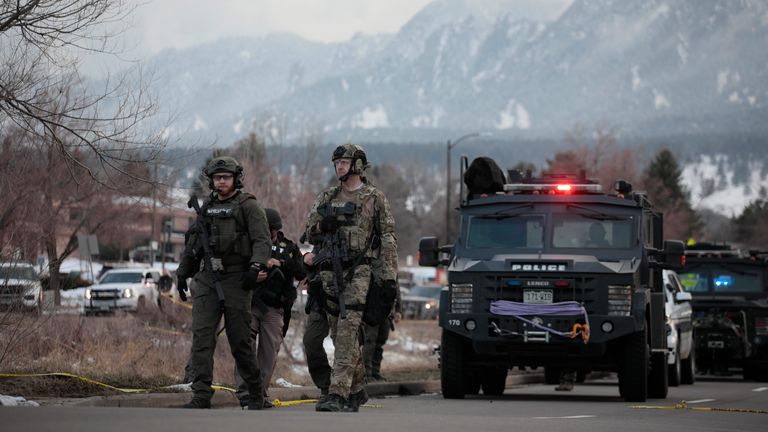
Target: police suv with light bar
pixel 552 272
pixel 730 309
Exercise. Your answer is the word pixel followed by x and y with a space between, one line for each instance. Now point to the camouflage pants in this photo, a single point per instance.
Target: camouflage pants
pixel 348 374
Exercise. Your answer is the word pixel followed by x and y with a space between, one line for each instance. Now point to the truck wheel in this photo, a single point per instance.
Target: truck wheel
pixel 688 368
pixel 551 375
pixel 453 359
pixel 675 369
pixel 494 381
pixel 658 380
pixel 633 370
pixel 472 382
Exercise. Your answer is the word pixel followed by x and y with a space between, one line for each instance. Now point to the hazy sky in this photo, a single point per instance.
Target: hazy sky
pixel 158 24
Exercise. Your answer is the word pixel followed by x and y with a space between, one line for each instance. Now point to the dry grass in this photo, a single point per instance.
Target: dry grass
pixel 150 350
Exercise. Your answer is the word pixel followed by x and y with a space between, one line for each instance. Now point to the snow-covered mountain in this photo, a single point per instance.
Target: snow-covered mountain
pixel 646 67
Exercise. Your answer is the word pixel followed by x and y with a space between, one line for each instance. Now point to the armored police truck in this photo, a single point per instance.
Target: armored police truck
pixel 730 309
pixel 552 272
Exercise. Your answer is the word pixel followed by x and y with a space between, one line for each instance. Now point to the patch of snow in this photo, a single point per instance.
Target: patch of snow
pixel 718 191
pixel 372 118
pixel 682 49
pixel 344 85
pixel 636 81
pixel 514 115
pixel 245 54
pixel 722 81
pixel 659 100
pixel 237 127
pixel 734 98
pixel 16 401
pixel 282 382
pixel 431 120
pixel 199 123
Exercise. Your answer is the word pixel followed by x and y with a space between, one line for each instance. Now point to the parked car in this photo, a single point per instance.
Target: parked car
pixel 421 302
pixel 128 289
pixel 681 358
pixel 20 287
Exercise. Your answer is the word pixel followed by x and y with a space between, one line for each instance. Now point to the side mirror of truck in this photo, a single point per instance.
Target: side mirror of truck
pixel 674 254
pixel 429 250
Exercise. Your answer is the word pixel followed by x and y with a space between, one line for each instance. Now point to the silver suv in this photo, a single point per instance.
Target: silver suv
pixel 20 287
pixel 679 331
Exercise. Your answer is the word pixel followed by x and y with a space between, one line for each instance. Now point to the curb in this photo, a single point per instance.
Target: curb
pixel 223 399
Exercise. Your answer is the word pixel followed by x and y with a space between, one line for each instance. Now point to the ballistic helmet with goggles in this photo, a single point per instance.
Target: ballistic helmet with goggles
pixel 355 153
pixel 224 164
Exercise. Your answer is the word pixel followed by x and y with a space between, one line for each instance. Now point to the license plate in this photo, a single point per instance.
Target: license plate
pixel 537 296
pixel 715 344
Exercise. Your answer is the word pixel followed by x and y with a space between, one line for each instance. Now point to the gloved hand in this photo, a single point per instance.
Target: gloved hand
pixel 181 286
pixel 251 276
pixel 329 224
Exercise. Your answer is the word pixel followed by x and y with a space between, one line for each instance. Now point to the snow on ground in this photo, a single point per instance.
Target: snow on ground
pixel 16 401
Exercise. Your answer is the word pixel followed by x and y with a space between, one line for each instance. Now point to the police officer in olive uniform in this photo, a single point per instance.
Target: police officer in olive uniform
pixel 315 331
pixel 273 299
pixel 359 214
pixel 239 241
pixel 375 338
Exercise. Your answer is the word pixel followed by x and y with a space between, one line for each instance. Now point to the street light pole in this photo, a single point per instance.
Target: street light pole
pixel 449 145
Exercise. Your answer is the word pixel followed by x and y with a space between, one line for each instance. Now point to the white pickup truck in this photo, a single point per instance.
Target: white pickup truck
pixel 128 289
pixel 20 287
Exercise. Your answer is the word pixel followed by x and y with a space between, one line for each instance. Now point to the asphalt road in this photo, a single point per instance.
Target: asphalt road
pixel 592 407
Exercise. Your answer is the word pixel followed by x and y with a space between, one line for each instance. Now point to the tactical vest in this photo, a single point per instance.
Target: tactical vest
pixel 356 228
pixel 228 232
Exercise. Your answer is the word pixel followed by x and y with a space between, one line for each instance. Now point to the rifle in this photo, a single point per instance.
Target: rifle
pixel 208 255
pixel 334 250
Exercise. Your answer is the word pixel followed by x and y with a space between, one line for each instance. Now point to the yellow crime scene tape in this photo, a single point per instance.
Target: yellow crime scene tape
pixel 683 405
pixel 276 402
pixel 177 302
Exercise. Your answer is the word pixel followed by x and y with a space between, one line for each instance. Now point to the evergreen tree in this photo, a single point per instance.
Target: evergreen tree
pixel 663 182
pixel 751 228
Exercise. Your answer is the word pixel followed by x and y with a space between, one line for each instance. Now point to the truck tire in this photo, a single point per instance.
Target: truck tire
pixel 658 380
pixel 675 369
pixel 551 375
pixel 633 369
pixel 494 381
pixel 472 382
pixel 453 366
pixel 688 368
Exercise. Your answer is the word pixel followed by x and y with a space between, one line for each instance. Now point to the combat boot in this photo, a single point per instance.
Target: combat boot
pixel 256 402
pixel 355 401
pixel 198 403
pixel 323 398
pixel 335 403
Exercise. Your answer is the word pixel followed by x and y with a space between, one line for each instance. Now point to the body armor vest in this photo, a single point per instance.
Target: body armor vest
pixel 228 235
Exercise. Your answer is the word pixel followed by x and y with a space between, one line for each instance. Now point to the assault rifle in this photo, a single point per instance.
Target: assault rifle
pixel 334 251
pixel 208 254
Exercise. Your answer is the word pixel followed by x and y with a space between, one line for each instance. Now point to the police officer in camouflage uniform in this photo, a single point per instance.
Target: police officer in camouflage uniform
pixel 273 299
pixel 239 242
pixel 359 213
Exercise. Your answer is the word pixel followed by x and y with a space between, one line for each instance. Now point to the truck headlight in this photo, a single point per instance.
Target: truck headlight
pixel 461 298
pixel 88 294
pixel 128 293
pixel 619 300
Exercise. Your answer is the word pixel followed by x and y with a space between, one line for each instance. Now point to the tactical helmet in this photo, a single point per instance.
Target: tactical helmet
pixel 273 218
pixel 354 152
pixel 224 164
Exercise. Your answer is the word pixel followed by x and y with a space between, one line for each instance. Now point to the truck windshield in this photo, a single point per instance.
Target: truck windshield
pixel 720 279
pixel 510 231
pixel 585 231
pixel 16 273
pixel 122 278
